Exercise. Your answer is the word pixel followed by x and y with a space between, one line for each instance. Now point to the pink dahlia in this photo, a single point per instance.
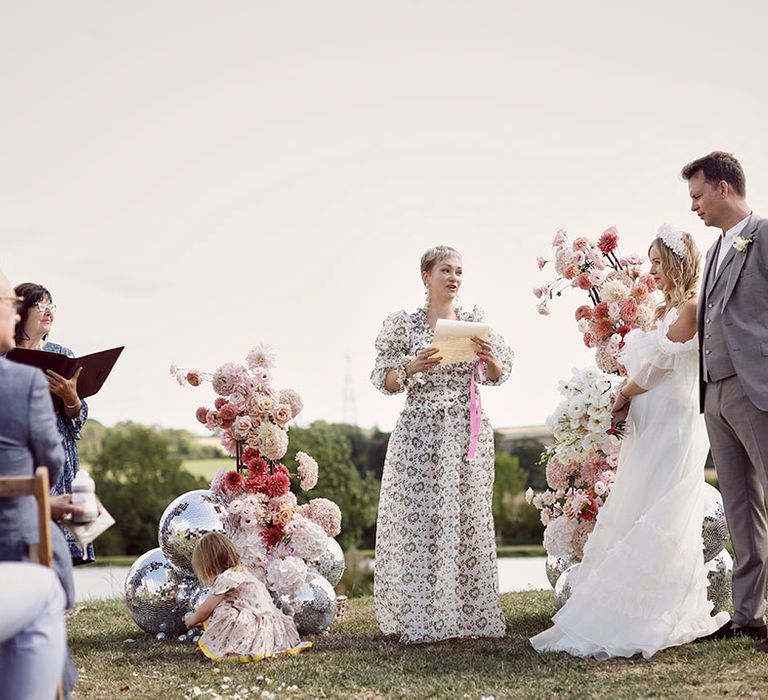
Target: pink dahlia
pixel 307 471
pixel 608 240
pixel 233 482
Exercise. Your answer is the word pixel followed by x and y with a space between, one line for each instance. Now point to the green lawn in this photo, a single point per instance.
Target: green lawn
pixel 117 660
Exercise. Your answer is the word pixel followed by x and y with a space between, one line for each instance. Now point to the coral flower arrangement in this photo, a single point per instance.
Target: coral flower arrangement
pixel 620 294
pixel 276 537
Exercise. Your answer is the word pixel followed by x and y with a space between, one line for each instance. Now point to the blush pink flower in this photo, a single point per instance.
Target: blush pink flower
pixel 629 310
pixel 202 415
pixel 559 238
pixel 541 262
pixel 325 513
pixel 307 471
pixel 228 411
pixel 293 399
pixel 581 243
pixel 583 281
pixel 584 313
pixel 282 414
pixel 571 271
pixel 542 308
pixel 212 420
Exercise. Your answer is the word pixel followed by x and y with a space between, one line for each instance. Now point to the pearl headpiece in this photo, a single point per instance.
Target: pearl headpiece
pixel 673 238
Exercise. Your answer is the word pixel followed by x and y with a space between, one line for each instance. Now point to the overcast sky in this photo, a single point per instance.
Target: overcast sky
pixel 192 178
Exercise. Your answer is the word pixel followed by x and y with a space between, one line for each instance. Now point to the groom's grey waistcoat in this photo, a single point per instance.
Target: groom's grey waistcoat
pixel 733 316
pixel 716 358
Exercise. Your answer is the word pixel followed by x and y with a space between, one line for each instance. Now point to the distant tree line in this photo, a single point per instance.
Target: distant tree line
pixel 139 470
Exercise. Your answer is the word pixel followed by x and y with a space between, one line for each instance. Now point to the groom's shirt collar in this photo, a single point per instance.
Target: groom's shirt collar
pixel 729 237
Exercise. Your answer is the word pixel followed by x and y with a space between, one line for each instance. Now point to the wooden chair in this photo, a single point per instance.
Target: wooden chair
pixel 39 487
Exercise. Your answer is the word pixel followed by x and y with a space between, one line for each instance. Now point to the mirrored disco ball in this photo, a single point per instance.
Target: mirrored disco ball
pixel 714 529
pixel 720 575
pixel 156 595
pixel 330 564
pixel 555 566
pixel 313 607
pixel 185 521
pixel 563 586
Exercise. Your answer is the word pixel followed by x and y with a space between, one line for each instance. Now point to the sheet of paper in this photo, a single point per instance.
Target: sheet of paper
pixel 452 339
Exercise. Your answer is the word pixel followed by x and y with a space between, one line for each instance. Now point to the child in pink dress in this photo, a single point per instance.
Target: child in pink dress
pixel 241 621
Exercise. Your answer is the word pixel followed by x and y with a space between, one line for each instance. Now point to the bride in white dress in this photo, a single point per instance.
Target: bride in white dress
pixel 642 585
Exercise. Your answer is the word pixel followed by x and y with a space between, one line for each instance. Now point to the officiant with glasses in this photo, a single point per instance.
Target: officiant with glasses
pixel 435 573
pixel 37 314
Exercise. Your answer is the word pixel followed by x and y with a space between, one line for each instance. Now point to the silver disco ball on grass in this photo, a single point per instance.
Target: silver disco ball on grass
pixel 313 607
pixel 157 595
pixel 330 564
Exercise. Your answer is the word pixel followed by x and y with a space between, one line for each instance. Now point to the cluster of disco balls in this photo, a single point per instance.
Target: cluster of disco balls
pixel 161 587
pixel 717 560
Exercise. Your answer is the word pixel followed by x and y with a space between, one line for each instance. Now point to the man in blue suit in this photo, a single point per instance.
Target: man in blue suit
pixel 29 438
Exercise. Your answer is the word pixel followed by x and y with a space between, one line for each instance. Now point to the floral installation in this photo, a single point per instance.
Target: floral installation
pixel 276 537
pixel 741 244
pixel 620 295
pixel 581 464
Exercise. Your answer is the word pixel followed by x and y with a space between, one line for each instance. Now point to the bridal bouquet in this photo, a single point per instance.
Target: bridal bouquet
pixel 276 537
pixel 580 464
pixel 619 293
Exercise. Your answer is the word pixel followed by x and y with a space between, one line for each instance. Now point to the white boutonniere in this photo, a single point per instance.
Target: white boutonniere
pixel 741 243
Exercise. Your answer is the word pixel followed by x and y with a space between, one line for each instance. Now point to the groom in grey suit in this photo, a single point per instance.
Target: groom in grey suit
pixel 733 341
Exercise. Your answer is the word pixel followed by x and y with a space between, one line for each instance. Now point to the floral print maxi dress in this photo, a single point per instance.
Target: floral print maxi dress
pixel 69 429
pixel 435 574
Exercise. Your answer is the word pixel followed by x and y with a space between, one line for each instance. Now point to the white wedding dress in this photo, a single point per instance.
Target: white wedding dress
pixel 642 585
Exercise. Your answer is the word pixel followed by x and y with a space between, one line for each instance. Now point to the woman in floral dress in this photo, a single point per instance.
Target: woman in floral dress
pixel 37 314
pixel 435 566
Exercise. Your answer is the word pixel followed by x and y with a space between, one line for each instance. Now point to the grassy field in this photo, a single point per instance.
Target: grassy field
pixel 207 467
pixel 116 660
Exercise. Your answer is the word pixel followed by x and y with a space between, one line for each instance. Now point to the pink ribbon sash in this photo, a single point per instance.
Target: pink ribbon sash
pixel 475 411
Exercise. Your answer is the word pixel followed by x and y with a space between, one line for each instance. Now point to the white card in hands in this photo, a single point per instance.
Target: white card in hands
pixel 452 339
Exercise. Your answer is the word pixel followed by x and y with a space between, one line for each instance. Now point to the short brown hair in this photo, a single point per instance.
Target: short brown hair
pixel 213 554
pixel 718 166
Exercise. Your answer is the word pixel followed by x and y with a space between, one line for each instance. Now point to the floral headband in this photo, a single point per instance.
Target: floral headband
pixel 673 238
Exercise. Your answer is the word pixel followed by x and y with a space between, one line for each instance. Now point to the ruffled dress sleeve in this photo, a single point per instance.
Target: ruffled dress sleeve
pixel 392 349
pixel 503 353
pixel 650 356
pixel 228 580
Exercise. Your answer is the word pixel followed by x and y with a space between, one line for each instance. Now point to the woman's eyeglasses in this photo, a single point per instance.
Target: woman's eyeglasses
pixel 16 302
pixel 44 306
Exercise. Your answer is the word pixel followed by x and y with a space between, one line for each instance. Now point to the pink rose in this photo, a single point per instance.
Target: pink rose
pixel 194 378
pixel 228 412
pixel 583 313
pixel 202 414
pixel 282 414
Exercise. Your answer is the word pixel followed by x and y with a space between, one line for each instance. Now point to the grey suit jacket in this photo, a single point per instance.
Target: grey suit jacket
pixel 744 312
pixel 28 439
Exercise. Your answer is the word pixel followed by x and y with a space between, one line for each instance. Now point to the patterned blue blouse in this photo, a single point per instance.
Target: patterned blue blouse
pixel 69 429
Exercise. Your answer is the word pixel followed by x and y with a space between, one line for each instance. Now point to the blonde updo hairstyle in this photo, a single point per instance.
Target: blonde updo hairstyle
pixel 684 271
pixel 436 255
